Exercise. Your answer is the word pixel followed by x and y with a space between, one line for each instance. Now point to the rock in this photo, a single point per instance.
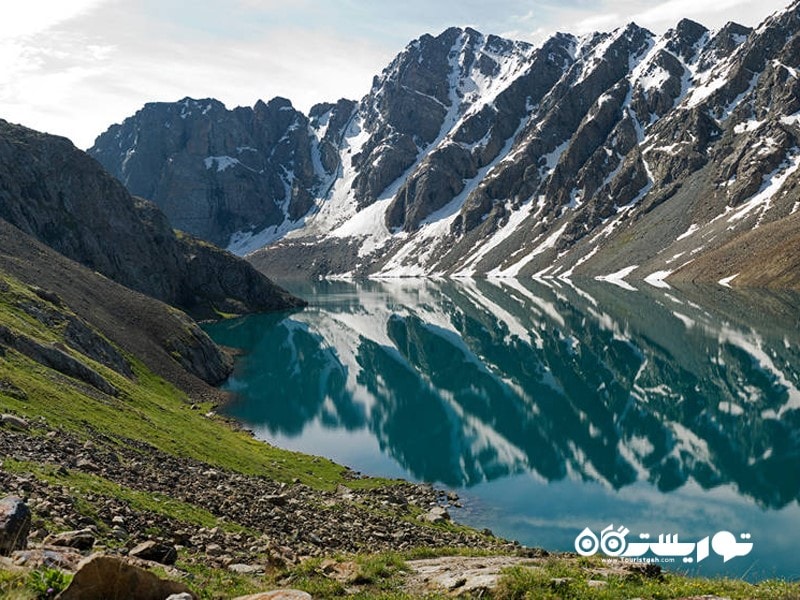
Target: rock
pixel 160 553
pixel 100 577
pixel 213 549
pixel 278 595
pixel 436 515
pixel 49 557
pixel 242 569
pixel 182 596
pixel 15 524
pixel 86 465
pixel 277 499
pixel 14 421
pixel 82 539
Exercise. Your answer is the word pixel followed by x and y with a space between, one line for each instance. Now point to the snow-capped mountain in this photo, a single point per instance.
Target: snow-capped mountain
pixel 621 154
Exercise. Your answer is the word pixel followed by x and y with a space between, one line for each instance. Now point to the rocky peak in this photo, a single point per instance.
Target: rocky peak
pixel 215 172
pixel 60 196
pixel 685 39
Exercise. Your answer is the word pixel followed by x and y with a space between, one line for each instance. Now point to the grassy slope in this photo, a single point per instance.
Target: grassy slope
pixel 148 409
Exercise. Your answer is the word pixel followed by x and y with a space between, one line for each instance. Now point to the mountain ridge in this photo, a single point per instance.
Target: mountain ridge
pixel 614 154
pixel 63 198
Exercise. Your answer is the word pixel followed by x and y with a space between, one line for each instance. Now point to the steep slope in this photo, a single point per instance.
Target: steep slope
pixel 103 321
pixel 57 194
pixel 620 153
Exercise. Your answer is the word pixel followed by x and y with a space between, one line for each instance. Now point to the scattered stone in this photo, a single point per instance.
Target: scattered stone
pixel 182 596
pixel 86 465
pixel 596 583
pixel 278 595
pixel 160 553
pixel 47 556
pixel 82 539
pixel 14 422
pixel 100 577
pixel 277 499
pixel 242 569
pixel 15 524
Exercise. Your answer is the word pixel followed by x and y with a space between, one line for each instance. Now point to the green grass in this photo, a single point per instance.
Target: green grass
pixel 559 578
pixel 147 409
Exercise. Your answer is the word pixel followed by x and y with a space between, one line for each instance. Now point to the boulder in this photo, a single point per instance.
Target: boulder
pixel 100 577
pixel 243 569
pixel 14 422
pixel 437 514
pixel 160 553
pixel 82 539
pixel 15 524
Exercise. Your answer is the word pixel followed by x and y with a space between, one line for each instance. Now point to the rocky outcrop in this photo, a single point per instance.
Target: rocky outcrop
pixel 55 358
pixel 102 323
pixel 101 577
pixel 62 197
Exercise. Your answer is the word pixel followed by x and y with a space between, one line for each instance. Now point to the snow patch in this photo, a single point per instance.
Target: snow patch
pixel 222 162
pixel 657 279
pixel 618 278
pixel 692 228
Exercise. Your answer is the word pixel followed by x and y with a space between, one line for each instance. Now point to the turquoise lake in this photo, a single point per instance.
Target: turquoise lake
pixel 550 406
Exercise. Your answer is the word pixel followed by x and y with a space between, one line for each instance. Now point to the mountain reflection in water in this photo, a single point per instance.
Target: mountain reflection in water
pixel 484 383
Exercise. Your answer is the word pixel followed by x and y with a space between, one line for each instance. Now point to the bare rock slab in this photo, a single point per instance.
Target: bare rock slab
pixel 100 577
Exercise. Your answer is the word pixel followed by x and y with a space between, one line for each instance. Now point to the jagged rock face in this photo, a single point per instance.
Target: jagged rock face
pixel 62 197
pixel 215 172
pixel 476 155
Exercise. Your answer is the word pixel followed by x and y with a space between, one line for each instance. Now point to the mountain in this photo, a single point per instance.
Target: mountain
pixel 620 154
pixel 100 321
pixel 63 198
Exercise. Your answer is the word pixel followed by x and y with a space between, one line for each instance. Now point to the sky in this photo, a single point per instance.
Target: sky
pixel 74 67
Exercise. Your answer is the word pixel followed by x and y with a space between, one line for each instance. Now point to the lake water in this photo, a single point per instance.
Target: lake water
pixel 550 407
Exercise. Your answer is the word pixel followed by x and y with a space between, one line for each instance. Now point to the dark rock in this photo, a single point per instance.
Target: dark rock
pixel 160 553
pixel 215 172
pixel 81 540
pixel 15 524
pixel 101 577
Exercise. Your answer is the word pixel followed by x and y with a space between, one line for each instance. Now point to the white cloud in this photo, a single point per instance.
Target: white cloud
pixel 74 67
pixel 33 16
